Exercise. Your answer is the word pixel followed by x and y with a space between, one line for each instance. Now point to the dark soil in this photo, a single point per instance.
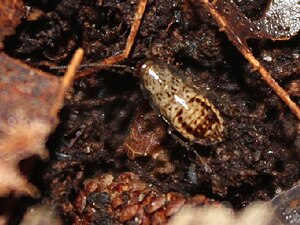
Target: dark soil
pixel 260 153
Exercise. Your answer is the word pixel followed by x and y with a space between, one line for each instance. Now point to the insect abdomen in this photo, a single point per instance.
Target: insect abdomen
pixel 189 112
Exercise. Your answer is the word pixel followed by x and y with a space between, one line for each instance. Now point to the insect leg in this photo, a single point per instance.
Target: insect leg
pixel 187 145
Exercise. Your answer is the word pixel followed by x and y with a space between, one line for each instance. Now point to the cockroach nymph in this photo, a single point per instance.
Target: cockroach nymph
pixel 180 104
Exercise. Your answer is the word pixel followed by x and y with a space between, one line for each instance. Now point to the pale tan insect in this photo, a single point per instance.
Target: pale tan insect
pixel 180 104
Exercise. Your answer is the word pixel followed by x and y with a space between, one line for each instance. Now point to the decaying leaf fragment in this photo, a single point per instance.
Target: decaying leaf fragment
pixel 144 138
pixel 128 200
pixel 30 100
pixel 11 12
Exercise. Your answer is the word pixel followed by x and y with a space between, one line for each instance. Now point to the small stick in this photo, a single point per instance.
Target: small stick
pixel 129 43
pixel 244 49
pixel 67 79
pixel 273 84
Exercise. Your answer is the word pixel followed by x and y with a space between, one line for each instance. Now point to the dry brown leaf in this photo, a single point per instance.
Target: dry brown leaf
pixel 30 100
pixel 10 17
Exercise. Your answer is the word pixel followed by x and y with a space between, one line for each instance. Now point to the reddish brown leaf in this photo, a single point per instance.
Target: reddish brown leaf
pixel 10 17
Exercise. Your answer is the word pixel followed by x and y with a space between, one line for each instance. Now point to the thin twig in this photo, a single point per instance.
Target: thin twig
pixel 67 79
pixel 244 49
pixel 129 43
